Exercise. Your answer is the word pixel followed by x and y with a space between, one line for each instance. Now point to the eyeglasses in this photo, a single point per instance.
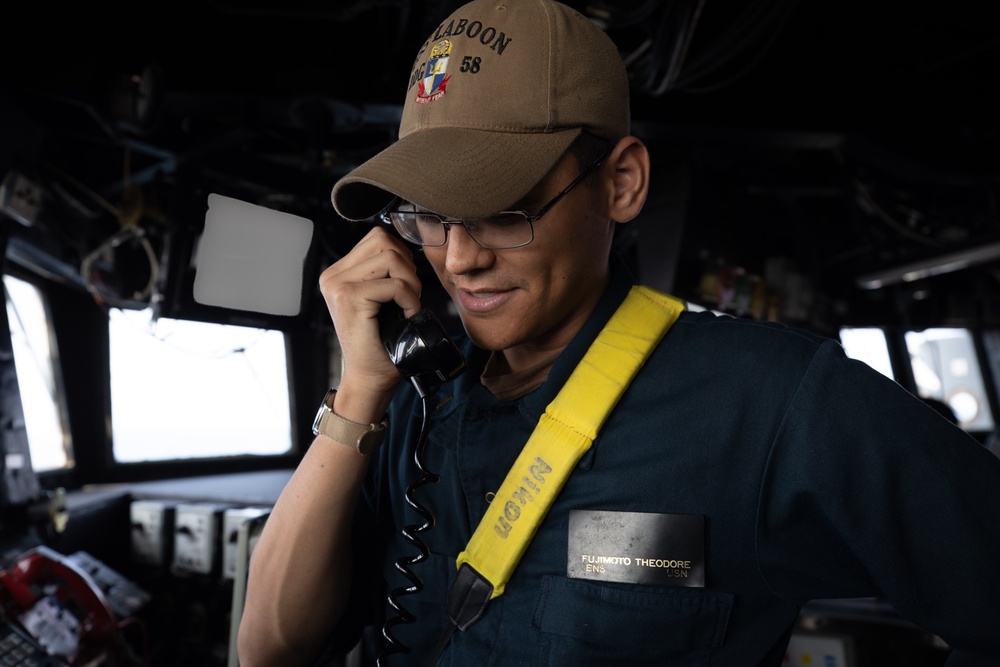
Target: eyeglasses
pixel 507 229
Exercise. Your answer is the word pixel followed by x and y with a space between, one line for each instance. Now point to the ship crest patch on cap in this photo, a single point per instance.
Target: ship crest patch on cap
pixel 435 81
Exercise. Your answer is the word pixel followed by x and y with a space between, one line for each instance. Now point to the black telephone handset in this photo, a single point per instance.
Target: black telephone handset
pixel 420 347
pixel 425 354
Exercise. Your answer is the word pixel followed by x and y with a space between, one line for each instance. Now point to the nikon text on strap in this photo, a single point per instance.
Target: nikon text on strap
pixel 563 434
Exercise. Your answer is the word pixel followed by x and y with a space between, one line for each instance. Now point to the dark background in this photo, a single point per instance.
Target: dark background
pixel 799 148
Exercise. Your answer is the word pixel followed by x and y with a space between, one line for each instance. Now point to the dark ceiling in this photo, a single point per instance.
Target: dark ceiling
pixel 813 144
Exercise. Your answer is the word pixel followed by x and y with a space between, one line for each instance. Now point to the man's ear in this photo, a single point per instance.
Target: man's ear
pixel 630 179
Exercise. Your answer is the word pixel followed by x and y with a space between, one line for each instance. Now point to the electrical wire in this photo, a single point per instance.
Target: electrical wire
pixel 664 62
pixel 680 50
pixel 617 15
pixel 779 23
pixel 866 201
pixel 96 198
pixel 91 277
pixel 411 533
pixel 128 219
pixel 741 33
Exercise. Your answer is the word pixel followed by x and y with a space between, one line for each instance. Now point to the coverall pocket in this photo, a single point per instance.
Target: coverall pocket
pixel 586 623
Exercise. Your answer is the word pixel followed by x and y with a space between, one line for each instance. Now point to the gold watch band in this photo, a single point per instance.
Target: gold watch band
pixel 364 437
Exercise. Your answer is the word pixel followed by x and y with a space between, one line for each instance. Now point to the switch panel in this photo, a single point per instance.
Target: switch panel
pixel 233 518
pixel 197 538
pixel 152 531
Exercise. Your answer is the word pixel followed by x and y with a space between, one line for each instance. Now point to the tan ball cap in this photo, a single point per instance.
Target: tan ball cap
pixel 496 95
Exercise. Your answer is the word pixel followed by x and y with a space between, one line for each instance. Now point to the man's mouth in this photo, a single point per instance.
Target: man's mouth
pixel 483 301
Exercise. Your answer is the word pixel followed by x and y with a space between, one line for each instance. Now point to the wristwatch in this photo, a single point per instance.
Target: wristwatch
pixel 364 437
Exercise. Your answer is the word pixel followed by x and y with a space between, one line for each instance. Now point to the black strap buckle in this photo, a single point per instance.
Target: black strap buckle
pixel 468 596
pixel 467 599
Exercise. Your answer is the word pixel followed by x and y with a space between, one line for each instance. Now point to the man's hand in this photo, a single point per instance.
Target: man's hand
pixel 379 269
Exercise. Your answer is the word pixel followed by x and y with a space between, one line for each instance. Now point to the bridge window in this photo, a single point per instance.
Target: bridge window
pixel 868 344
pixel 183 389
pixel 38 377
pixel 946 367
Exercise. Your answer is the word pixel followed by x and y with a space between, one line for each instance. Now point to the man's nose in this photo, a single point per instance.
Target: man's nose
pixel 464 254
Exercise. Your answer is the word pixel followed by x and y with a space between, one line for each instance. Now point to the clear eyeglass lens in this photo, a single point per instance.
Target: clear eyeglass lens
pixel 504 230
pixel 429 229
pixel 417 228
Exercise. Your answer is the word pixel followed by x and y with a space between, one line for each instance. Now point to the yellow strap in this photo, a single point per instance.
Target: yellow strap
pixel 565 431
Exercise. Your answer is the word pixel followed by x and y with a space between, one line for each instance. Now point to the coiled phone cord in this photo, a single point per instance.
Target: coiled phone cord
pixel 411 533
